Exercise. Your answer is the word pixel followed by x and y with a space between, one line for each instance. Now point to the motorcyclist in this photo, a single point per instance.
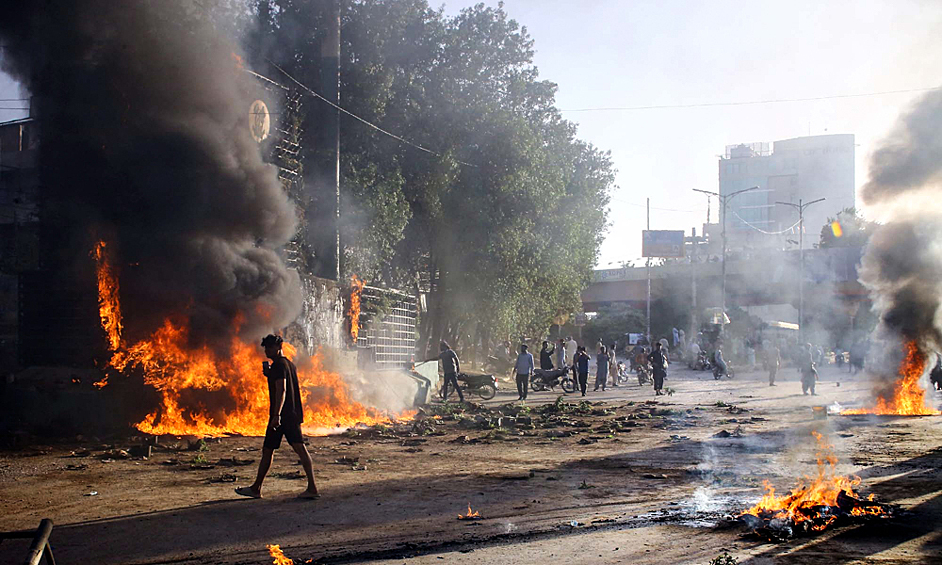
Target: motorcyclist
pixel 720 362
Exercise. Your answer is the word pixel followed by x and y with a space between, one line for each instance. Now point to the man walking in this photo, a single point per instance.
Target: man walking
pixel 284 420
pixel 774 361
pixel 523 368
pixel 658 360
pixel 808 372
pixel 450 367
pixel 581 368
pixel 601 369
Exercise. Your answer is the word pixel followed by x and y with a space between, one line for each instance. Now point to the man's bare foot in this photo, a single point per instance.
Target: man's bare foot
pixel 309 494
pixel 249 492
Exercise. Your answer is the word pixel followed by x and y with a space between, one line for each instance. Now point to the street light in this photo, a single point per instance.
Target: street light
pixel 724 198
pixel 801 259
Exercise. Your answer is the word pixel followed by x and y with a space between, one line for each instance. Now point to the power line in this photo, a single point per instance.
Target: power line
pixel 751 102
pixel 352 115
pixel 758 229
pixel 654 207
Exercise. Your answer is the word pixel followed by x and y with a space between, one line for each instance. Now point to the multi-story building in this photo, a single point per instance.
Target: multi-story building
pixel 806 168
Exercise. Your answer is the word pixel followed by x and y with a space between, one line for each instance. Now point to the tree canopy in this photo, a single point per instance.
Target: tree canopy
pixel 504 219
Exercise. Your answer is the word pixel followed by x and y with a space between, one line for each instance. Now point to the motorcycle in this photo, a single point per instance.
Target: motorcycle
pixel 484 386
pixel 622 372
pixel 719 373
pixel 702 362
pixel 549 379
pixel 644 374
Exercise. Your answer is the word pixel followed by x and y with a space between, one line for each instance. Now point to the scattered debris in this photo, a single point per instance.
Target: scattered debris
pixel 585 485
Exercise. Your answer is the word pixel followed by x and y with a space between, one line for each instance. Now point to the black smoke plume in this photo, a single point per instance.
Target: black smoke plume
pixel 144 115
pixel 902 266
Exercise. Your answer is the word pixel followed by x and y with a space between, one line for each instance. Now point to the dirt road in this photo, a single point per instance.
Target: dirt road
pixel 625 479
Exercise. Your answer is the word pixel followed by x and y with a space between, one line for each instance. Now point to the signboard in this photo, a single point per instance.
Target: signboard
pixel 635 339
pixel 259 121
pixel 662 243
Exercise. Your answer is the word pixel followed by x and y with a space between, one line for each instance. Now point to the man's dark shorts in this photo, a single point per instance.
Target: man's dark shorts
pixel 291 431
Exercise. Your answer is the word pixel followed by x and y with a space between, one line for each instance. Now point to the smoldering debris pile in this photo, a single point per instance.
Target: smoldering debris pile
pixel 815 504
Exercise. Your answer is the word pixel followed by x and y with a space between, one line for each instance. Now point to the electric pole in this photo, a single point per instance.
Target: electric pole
pixel 801 260
pixel 724 199
pixel 648 265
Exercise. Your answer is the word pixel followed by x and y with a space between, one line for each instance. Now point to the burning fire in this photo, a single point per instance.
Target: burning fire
pixel 811 493
pixel 205 393
pixel 471 515
pixel 909 399
pixel 109 308
pixel 279 556
pixel 239 65
pixel 356 290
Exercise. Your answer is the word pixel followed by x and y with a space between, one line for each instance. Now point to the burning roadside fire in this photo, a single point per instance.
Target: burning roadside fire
pixel 353 313
pixel 471 515
pixel 205 393
pixel 279 556
pixel 909 399
pixel 813 504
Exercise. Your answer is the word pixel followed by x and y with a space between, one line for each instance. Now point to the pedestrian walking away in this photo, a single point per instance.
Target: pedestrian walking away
pixel 546 357
pixel 601 368
pixel 809 374
pixel 581 367
pixel 450 367
pixel 523 368
pixel 285 416
pixel 659 364
pixel 774 361
pixel 612 366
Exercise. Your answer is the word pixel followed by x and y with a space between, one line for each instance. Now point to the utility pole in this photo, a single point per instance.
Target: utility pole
pixel 694 320
pixel 724 200
pixel 330 87
pixel 648 265
pixel 801 259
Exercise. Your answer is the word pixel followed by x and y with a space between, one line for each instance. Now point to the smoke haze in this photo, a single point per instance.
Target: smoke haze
pixel 902 265
pixel 145 141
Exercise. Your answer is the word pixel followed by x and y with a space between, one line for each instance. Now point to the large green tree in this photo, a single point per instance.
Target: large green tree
pixel 504 218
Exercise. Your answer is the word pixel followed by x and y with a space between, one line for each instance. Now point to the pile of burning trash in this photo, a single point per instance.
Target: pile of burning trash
pixel 815 504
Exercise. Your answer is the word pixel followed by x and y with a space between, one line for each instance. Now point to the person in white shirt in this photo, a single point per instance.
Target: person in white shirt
pixel 571 346
pixel 523 368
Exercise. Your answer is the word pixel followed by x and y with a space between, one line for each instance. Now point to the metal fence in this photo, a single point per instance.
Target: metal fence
pixel 387 332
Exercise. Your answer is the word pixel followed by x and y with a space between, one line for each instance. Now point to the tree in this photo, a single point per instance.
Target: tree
pixel 847 229
pixel 504 215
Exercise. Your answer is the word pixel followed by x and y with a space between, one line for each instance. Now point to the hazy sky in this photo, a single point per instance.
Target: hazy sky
pixel 605 53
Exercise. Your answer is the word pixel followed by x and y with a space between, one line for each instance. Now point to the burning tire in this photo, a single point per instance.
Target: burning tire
pixel 487 391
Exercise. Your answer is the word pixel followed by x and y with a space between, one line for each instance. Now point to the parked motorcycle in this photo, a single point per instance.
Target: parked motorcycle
pixel 702 362
pixel 484 386
pixel 549 379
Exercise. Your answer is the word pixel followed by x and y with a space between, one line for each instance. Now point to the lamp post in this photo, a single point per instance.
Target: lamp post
pixel 724 199
pixel 801 260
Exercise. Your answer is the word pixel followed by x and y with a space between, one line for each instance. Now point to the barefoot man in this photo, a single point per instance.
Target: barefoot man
pixel 284 420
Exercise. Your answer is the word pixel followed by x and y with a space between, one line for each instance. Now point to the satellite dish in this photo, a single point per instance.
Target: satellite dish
pixel 259 121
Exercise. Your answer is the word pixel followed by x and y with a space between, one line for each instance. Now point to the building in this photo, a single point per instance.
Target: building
pixel 803 168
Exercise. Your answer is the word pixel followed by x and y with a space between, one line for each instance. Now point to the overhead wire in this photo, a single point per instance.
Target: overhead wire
pixel 750 102
pixel 758 229
pixel 358 118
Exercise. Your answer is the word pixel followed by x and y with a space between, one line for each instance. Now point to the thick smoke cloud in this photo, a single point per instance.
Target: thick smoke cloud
pixel 902 266
pixel 145 140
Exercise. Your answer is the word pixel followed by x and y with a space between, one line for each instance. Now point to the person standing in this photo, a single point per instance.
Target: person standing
pixel 561 356
pixel 546 357
pixel 571 348
pixel 612 365
pixel 581 366
pixel 601 368
pixel 774 361
pixel 659 362
pixel 450 367
pixel 808 372
pixel 285 416
pixel 523 368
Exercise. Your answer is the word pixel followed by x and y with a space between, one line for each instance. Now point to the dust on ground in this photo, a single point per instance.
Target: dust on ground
pixel 613 477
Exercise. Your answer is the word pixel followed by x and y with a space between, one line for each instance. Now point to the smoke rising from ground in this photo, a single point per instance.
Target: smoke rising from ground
pixel 902 265
pixel 145 141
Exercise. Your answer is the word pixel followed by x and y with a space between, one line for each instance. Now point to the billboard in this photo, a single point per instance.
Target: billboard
pixel 662 243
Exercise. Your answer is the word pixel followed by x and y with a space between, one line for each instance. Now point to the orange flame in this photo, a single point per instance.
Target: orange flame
pixel 109 308
pixel 471 515
pixel 909 399
pixel 356 291
pixel 239 65
pixel 820 490
pixel 279 556
pixel 205 393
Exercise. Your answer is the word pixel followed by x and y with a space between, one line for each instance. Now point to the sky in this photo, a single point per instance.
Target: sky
pixel 618 53
pixel 621 53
